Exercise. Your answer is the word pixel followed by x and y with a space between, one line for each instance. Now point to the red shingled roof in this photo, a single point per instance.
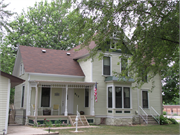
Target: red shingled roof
pixel 51 62
pixel 82 52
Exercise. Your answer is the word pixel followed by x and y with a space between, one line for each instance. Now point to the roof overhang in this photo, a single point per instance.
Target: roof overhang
pixel 14 80
pixel 116 79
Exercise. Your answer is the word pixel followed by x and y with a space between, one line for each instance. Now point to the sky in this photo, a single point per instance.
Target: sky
pixel 18 5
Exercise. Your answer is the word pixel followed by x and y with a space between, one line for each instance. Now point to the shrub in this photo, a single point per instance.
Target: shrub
pixel 175 114
pixel 173 121
pixel 58 123
pixel 163 120
pixel 164 113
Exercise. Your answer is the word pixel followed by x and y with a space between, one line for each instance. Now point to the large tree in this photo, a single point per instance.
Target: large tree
pixel 154 43
pixel 43 25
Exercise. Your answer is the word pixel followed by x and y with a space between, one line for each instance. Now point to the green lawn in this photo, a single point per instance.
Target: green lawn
pixel 150 130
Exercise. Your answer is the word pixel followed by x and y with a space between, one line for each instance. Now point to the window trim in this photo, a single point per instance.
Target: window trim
pixel 23 85
pixel 21 72
pixel 41 97
pixel 142 98
pixel 110 65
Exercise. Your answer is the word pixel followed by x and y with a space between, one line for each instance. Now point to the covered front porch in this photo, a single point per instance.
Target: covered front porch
pixel 56 99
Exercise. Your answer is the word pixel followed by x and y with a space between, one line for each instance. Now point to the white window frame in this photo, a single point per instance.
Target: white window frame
pixel 123 96
pixel 110 65
pixel 23 85
pixel 41 96
pixel 142 98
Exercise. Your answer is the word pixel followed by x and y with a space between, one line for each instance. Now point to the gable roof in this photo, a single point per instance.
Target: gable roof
pixel 51 62
pixel 14 80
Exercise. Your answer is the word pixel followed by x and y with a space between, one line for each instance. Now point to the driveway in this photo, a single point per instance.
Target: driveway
pixel 25 130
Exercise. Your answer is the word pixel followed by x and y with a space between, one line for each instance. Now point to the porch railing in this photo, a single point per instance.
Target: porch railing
pixel 143 115
pixel 155 114
pixel 78 114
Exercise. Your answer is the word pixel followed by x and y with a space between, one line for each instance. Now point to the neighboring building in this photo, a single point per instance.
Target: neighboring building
pixel 172 109
pixel 55 77
pixel 7 82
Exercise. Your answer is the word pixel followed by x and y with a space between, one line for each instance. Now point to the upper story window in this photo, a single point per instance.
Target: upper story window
pixel 106 65
pixel 21 69
pixel 124 64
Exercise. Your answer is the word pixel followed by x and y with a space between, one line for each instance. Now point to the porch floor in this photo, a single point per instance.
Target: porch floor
pixel 56 116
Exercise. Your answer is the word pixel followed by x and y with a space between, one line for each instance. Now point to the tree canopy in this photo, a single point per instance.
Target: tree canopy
pixel 154 42
pixel 42 26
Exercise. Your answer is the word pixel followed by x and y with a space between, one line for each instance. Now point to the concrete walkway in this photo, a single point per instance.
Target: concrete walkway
pixel 29 130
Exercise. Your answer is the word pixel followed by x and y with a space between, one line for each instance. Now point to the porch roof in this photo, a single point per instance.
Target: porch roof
pixel 62 84
pixel 113 78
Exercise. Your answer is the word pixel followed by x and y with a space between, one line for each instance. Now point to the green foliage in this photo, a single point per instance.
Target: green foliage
pixel 173 121
pixel 47 123
pixel 58 123
pixel 4 16
pixel 154 43
pixel 163 120
pixel 43 25
pixel 164 113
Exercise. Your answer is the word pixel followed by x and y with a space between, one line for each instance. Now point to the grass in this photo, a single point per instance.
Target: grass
pixel 131 130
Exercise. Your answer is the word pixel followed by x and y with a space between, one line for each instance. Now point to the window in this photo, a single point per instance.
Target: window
pixel 124 64
pixel 118 92
pixel 126 97
pixel 106 66
pixel 109 97
pixel 145 99
pixel 122 97
pixel 45 99
pixel 21 69
pixel 22 96
pixel 87 97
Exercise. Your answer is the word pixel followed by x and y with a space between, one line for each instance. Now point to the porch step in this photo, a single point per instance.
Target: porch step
pixel 83 119
pixel 151 120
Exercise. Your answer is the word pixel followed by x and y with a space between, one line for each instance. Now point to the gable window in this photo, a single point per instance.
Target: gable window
pixel 122 97
pixel 106 66
pixel 145 99
pixel 22 96
pixel 87 97
pixel 21 69
pixel 109 97
pixel 118 92
pixel 45 97
pixel 124 64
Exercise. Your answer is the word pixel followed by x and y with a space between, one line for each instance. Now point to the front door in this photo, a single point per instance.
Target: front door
pixel 70 101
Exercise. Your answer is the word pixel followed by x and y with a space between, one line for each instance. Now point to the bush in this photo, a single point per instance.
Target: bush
pixel 173 121
pixel 175 114
pixel 164 113
pixel 58 123
pixel 164 120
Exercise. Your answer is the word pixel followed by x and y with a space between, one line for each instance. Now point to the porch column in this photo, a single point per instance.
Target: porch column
pixel 92 101
pixel 36 104
pixel 66 112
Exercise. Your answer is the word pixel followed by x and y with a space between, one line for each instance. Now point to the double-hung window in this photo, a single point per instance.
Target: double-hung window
pixel 145 99
pixel 45 97
pixel 122 97
pixel 106 65
pixel 109 97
